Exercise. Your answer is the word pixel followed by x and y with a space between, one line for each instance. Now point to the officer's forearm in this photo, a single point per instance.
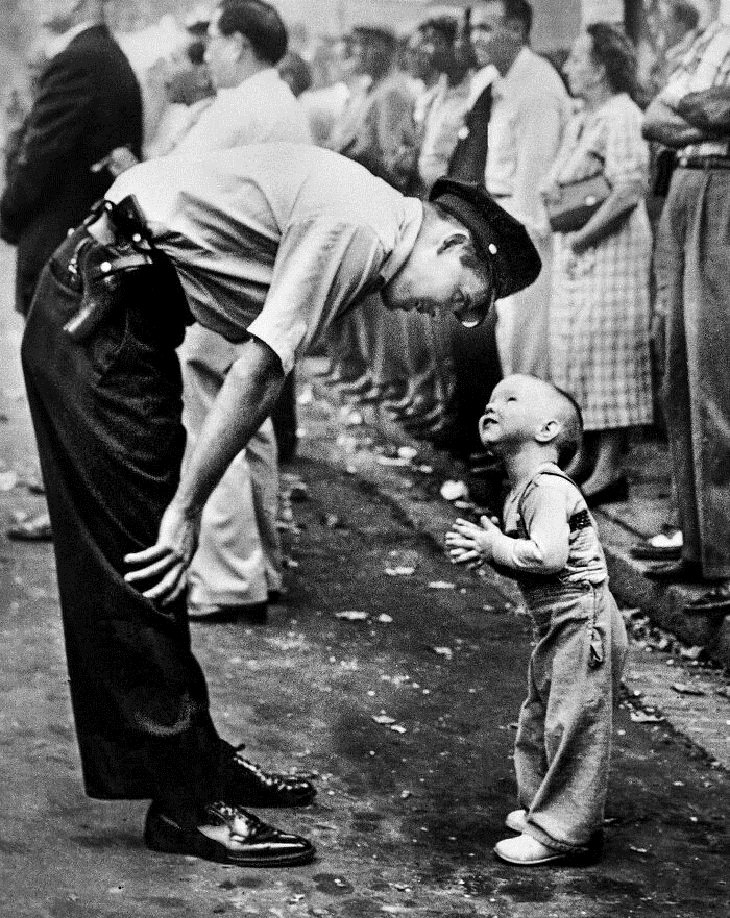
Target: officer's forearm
pixel 242 405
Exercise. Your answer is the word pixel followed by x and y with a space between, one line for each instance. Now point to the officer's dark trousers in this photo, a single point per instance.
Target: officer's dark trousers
pixel 107 419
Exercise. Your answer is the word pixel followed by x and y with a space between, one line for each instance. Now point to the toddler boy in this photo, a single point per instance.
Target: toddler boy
pixel 550 546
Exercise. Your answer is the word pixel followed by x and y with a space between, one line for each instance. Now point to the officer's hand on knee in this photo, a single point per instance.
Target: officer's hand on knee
pixel 166 562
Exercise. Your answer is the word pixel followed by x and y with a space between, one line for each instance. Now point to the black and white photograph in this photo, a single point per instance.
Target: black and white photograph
pixel 365 458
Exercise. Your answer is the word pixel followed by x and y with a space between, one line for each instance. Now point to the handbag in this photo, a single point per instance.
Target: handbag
pixel 578 202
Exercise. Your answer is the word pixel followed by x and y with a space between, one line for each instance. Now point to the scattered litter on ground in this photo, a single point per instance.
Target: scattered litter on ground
pixel 383 718
pixel 401 570
pixel 446 652
pixel 453 490
pixel 400 461
pixel 691 653
pixel 425 469
pixel 385 619
pixel 645 717
pixel 352 615
pixel 398 728
pixel 441 585
pixel 683 689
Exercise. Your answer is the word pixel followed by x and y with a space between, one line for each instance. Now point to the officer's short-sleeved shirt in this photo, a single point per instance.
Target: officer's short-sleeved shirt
pixel 273 240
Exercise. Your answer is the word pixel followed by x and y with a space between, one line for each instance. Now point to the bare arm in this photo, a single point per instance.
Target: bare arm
pixel 243 403
pixel 603 222
pixel 664 125
pixel 708 111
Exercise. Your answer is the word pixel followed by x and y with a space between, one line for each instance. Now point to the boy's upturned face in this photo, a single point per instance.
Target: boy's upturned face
pixel 515 413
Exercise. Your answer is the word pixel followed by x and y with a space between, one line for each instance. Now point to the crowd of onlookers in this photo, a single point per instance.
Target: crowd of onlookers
pixel 621 301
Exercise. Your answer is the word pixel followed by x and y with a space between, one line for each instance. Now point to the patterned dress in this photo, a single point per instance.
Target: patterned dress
pixel 600 309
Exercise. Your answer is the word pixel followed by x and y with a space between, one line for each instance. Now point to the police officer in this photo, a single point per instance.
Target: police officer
pixel 266 245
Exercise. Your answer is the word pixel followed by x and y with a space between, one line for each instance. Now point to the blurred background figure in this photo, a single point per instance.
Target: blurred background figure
pixel 238 563
pixel 600 309
pixel 529 112
pixel 674 25
pixel 295 72
pixel 85 102
pixel 439 114
pixel 691 116
pixel 158 52
pixel 191 80
pixel 325 101
pixel 376 130
pixel 18 99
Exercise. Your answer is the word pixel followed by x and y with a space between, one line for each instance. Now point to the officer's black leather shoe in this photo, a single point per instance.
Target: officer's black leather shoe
pixel 247 784
pixel 227 834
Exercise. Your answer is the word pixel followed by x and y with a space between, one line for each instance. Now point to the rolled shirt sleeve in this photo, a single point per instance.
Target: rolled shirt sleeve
pixel 546 518
pixel 321 267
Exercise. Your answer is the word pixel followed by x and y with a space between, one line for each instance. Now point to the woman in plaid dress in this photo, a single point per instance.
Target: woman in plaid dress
pixel 600 310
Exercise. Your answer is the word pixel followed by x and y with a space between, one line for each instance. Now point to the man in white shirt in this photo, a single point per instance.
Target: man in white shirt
pixel 238 564
pixel 530 108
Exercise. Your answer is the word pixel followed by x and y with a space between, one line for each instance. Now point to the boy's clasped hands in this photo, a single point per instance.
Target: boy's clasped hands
pixel 471 543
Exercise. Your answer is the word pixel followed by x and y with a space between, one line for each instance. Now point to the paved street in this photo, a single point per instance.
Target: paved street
pixel 404 719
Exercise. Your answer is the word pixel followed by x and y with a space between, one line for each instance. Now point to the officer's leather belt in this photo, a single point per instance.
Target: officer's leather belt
pixel 703 162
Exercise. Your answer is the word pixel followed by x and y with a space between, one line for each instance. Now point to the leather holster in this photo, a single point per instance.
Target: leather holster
pixel 99 271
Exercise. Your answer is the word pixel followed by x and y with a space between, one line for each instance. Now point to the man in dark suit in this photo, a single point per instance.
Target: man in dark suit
pixel 88 104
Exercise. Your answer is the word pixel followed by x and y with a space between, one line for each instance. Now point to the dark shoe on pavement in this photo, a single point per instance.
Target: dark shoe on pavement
pixel 614 493
pixel 227 835
pixel 678 571
pixel 37 529
pixel 714 602
pixel 247 784
pixel 255 613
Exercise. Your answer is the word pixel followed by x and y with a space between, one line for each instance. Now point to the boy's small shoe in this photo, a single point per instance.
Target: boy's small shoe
pixel 527 851
pixel 517 820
